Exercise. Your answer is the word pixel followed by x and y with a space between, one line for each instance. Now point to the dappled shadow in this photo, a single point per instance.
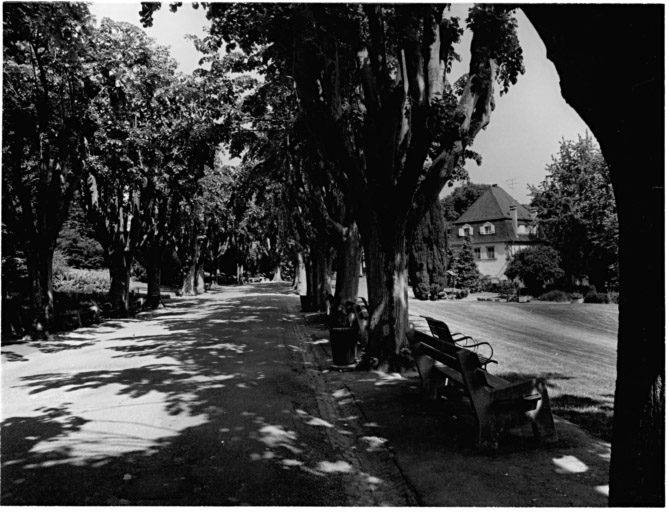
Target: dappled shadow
pixel 13 356
pixel 280 288
pixel 434 443
pixel 151 419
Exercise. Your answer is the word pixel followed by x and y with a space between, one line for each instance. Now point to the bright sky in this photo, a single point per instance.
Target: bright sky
pixel 526 126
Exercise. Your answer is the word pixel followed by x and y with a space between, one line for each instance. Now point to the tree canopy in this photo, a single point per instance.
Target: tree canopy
pixel 576 212
pixel 536 267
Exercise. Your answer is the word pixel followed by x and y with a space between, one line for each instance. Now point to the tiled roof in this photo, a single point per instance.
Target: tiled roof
pixel 494 204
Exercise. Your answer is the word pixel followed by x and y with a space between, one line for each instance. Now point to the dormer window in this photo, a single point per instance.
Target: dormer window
pixel 487 229
pixel 465 230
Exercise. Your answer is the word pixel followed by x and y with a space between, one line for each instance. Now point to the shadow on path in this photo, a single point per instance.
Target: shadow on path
pixel 200 405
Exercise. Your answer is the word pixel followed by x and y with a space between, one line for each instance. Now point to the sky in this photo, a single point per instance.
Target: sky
pixel 524 131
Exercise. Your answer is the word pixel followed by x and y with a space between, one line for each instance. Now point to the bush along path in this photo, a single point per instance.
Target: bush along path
pixel 215 400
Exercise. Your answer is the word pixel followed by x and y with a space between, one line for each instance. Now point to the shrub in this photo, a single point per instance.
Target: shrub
pixel 554 296
pixel 137 271
pixel 506 289
pixel 614 297
pixel 535 267
pixel 59 264
pixel 596 298
pixel 461 294
pixel 82 281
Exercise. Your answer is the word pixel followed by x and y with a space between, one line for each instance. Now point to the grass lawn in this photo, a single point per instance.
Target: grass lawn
pixel 571 346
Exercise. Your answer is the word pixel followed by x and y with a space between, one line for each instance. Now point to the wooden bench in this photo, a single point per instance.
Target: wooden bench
pixel 497 404
pixel 483 349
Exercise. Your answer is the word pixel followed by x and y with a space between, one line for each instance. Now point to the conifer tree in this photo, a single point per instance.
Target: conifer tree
pixel 427 258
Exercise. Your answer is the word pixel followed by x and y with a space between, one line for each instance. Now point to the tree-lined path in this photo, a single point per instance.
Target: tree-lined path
pixel 210 401
pixel 228 399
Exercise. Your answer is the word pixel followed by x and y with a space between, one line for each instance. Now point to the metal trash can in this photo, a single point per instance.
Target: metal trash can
pixel 343 341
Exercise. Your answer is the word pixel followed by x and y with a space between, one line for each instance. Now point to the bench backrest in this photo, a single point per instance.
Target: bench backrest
pixel 442 351
pixel 463 361
pixel 439 329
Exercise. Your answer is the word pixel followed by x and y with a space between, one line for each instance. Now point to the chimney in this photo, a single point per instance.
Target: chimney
pixel 514 217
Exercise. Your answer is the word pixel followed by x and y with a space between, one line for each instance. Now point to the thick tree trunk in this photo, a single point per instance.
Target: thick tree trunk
pixel 388 294
pixel 119 273
pixel 153 267
pixel 637 475
pixel 349 252
pixel 277 275
pixel 40 271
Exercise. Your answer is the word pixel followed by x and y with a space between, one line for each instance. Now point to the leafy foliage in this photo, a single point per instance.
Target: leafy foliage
pixel 462 197
pixel 46 123
pixel 536 267
pixel 577 212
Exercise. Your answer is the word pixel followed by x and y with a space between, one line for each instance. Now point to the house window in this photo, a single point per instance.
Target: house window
pixel 466 230
pixel 522 230
pixel 490 252
pixel 477 253
pixel 487 229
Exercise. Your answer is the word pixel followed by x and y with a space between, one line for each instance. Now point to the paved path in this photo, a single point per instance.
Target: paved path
pixel 213 401
pixel 227 399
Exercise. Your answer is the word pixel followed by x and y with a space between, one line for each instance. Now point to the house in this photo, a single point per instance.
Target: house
pixel 497 227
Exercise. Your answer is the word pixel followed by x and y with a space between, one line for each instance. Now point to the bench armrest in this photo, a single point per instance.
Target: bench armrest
pixel 462 338
pixel 487 354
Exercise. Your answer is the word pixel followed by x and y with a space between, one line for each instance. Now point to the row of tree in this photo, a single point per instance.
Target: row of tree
pixel 388 126
pixel 99 116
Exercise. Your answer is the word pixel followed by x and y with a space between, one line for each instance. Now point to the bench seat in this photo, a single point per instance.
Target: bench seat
pixel 496 403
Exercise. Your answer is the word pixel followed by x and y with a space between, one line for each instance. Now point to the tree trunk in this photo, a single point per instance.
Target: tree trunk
pixel 119 273
pixel 388 294
pixel 153 271
pixel 348 266
pixel 637 474
pixel 191 280
pixel 318 275
pixel 199 278
pixel 301 275
pixel 277 275
pixel 40 271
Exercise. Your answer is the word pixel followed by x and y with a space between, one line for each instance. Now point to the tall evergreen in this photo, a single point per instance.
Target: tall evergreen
pixel 463 264
pixel 427 256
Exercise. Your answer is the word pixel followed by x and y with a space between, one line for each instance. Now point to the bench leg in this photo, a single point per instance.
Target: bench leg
pixel 488 435
pixel 437 381
pixel 542 417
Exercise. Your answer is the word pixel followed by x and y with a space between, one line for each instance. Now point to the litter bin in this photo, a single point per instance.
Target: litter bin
pixel 343 342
